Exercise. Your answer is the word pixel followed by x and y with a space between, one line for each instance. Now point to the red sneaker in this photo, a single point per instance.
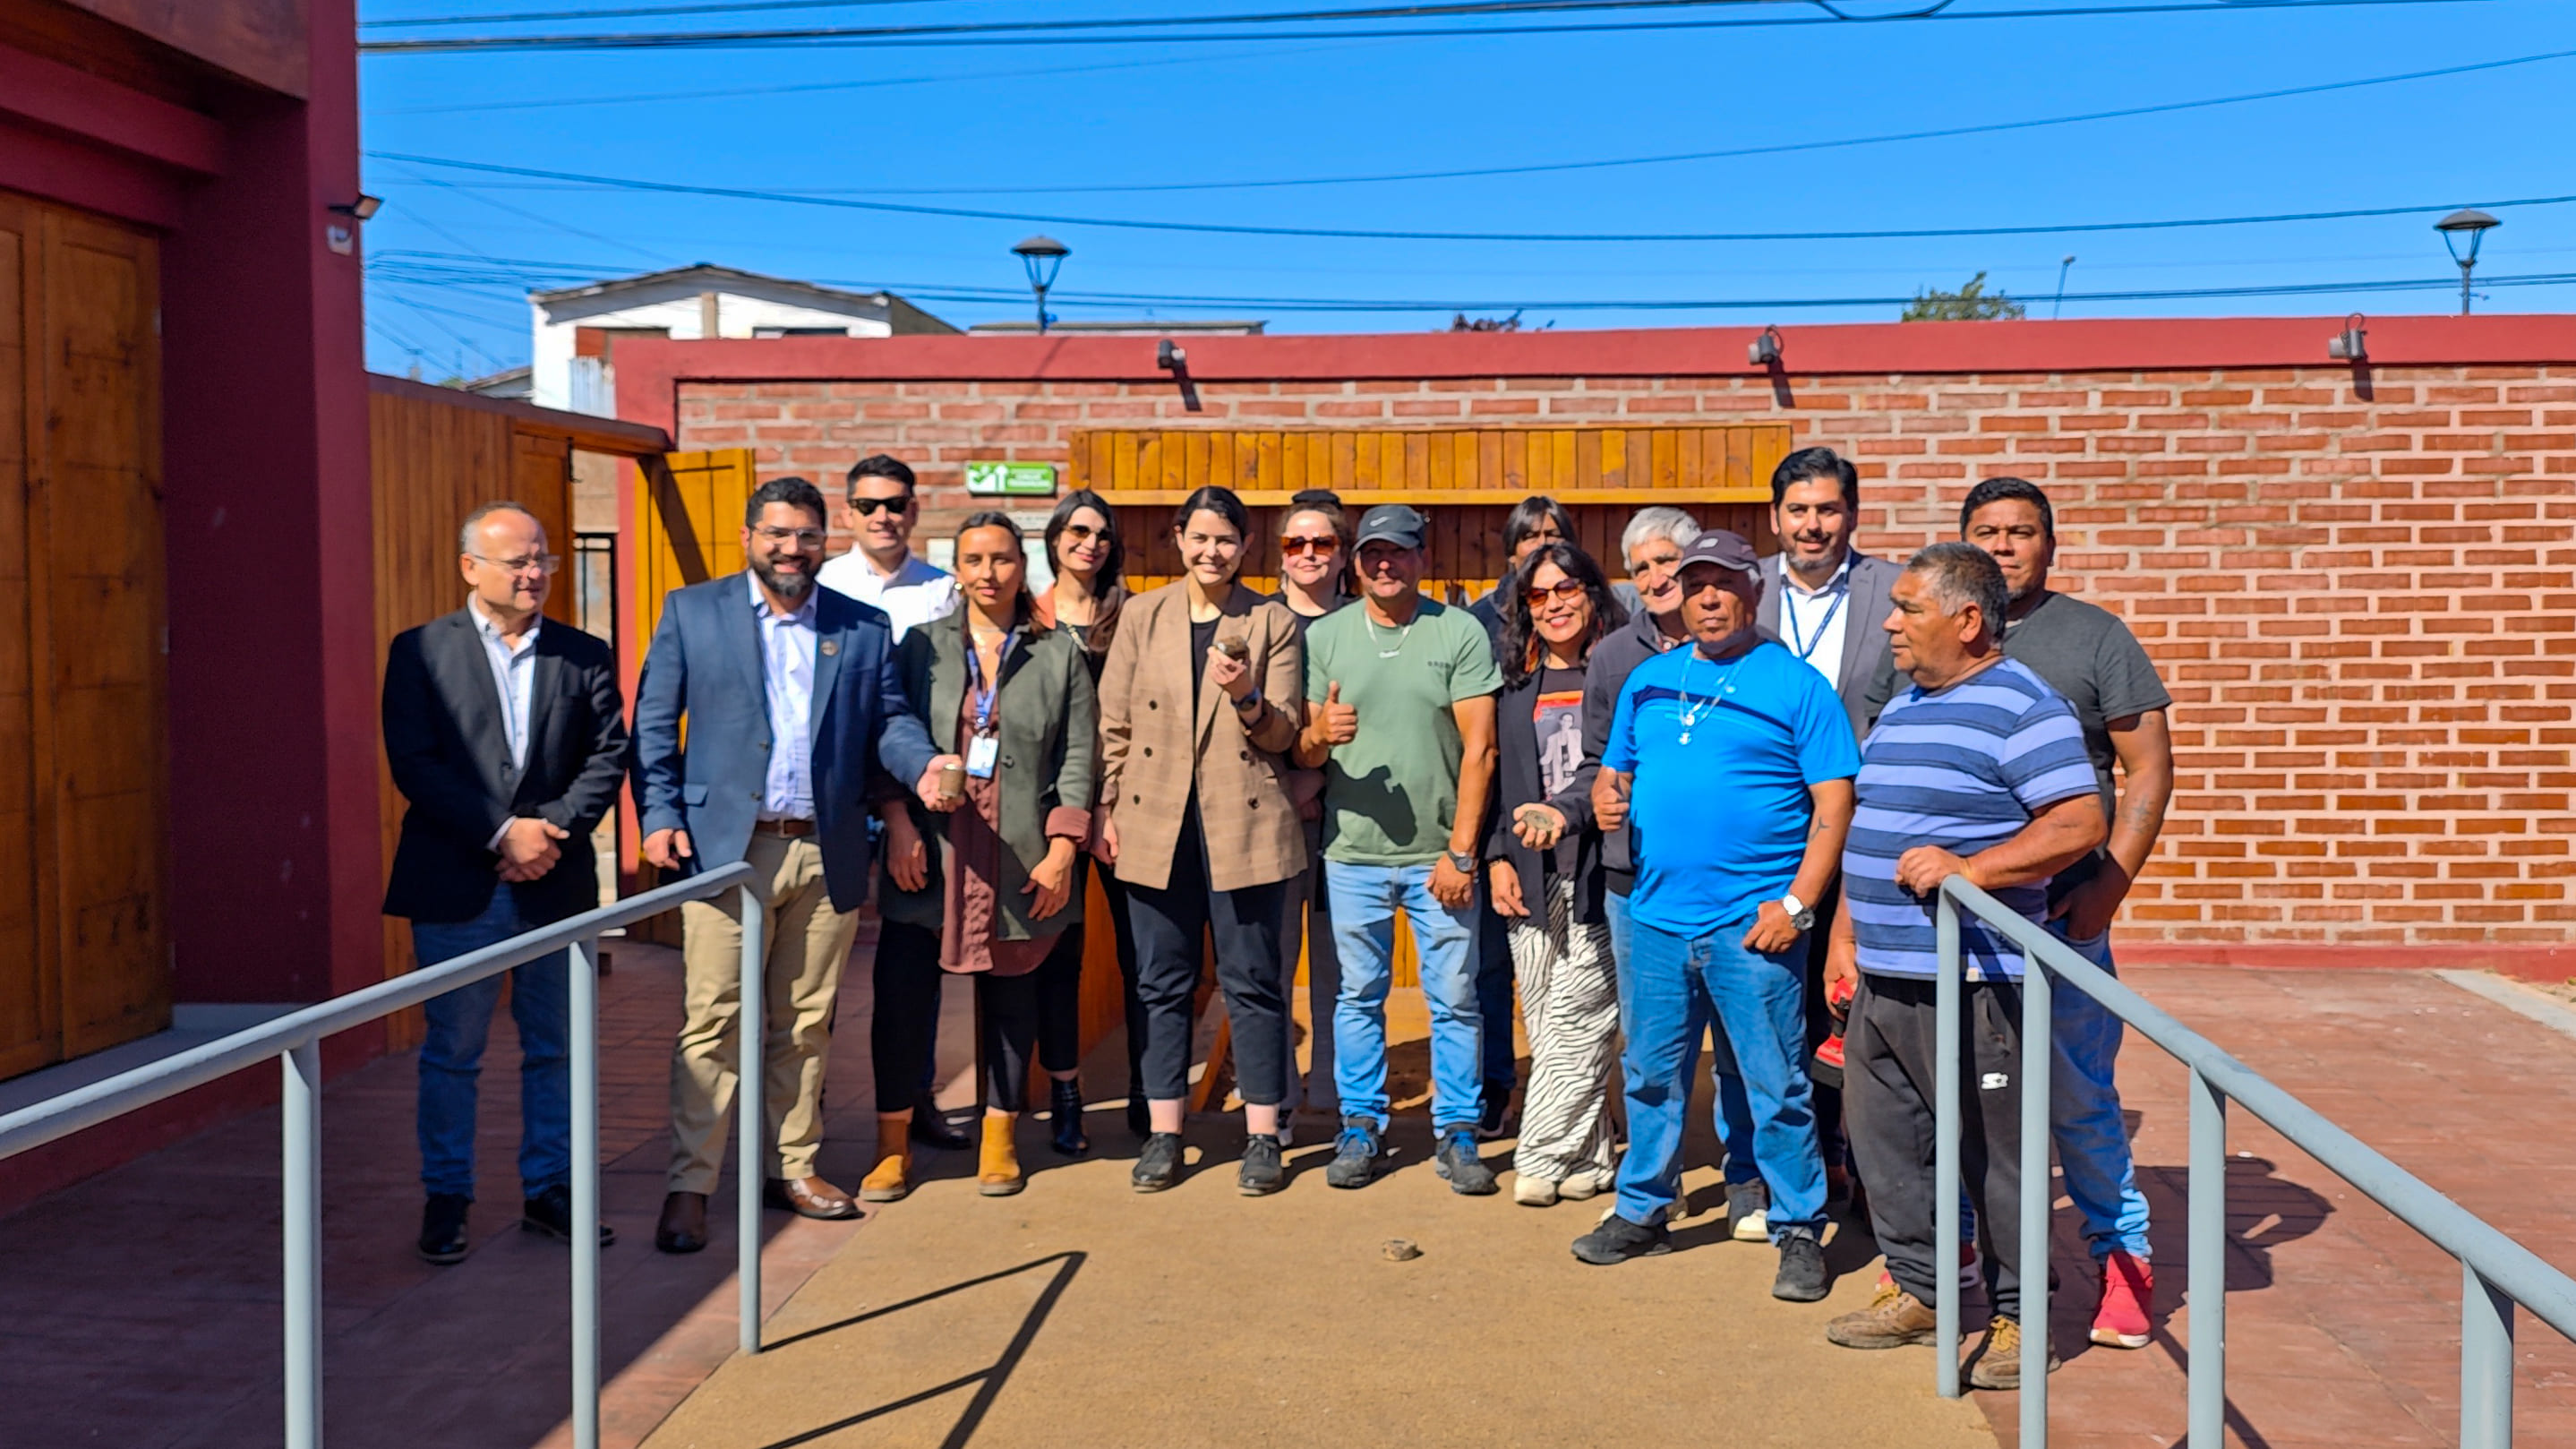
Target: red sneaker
pixel 2128 1286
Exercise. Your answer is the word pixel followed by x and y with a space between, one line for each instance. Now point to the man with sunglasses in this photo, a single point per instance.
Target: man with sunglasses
pixel 880 567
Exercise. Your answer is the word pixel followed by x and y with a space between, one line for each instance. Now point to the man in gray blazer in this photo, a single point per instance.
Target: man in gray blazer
pixel 1826 603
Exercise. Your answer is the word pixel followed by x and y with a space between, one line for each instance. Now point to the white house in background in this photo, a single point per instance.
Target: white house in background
pixel 576 329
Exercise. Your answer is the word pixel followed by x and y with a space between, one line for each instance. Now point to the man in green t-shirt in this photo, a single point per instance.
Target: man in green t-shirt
pixel 1400 717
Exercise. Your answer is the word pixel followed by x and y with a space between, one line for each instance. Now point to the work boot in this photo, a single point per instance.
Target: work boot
pixel 1354 1154
pixel 1459 1162
pixel 998 1173
pixel 891 1178
pixel 1997 1363
pixel 1893 1319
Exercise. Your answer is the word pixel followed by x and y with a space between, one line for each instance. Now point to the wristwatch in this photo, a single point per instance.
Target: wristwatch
pixel 1250 701
pixel 1465 861
pixel 1801 915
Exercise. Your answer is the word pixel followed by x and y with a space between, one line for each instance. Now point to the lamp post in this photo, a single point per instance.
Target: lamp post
pixel 1043 256
pixel 2474 224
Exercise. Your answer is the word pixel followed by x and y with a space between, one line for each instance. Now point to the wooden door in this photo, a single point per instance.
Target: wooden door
pixel 84 766
pixel 688 527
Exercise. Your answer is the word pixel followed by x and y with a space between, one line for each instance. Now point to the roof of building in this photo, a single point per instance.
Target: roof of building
pixel 1211 327
pixel 708 277
pixel 516 383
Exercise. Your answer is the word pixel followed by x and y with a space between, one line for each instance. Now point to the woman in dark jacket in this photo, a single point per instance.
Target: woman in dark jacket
pixel 993 873
pixel 1544 871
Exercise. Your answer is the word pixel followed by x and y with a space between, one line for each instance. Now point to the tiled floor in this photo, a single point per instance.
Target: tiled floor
pixel 140 1309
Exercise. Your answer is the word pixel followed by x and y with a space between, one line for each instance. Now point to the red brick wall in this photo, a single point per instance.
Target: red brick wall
pixel 2358 593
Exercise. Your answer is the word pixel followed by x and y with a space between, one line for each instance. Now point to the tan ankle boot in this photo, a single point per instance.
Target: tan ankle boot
pixel 892 1178
pixel 999 1173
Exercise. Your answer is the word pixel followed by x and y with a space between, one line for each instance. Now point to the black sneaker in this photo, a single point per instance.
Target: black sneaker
pixel 1802 1270
pixel 550 1213
pixel 1354 1154
pixel 1261 1174
pixel 1492 1115
pixel 1159 1165
pixel 1467 1173
pixel 442 1228
pixel 1617 1240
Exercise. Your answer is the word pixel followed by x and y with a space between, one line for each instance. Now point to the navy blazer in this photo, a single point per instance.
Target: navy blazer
pixel 705 663
pixel 449 751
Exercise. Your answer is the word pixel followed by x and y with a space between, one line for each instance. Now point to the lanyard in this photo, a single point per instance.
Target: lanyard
pixel 985 699
pixel 1789 616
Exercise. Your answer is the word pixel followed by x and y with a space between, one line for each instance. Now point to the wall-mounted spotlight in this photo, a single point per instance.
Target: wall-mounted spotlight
pixel 1765 351
pixel 362 209
pixel 1170 358
pixel 2351 344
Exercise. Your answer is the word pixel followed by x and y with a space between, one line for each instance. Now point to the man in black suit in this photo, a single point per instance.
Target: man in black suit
pixel 506 735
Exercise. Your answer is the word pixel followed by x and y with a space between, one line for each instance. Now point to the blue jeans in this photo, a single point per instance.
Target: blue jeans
pixel 1364 901
pixel 1672 988
pixel 1731 1109
pixel 2084 1111
pixel 451 1056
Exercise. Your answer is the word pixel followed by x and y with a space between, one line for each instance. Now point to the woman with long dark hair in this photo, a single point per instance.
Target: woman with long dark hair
pixel 1089 589
pixel 1314 580
pixel 988 882
pixel 1545 871
pixel 1200 701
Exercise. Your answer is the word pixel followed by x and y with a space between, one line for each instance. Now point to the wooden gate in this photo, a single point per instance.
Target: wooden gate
pixel 84 763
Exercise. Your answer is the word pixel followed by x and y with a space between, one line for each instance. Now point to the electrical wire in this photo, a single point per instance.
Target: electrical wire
pixel 628 12
pixel 1063 33
pixel 1366 234
pixel 1289 17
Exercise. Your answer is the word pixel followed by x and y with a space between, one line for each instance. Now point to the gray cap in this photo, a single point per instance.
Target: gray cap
pixel 1391 523
pixel 1720 547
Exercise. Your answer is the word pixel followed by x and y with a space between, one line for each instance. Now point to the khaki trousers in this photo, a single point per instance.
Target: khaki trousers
pixel 807 941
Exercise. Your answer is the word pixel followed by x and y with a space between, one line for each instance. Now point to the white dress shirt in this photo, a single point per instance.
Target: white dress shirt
pixel 917 593
pixel 514 669
pixel 1813 624
pixel 787 672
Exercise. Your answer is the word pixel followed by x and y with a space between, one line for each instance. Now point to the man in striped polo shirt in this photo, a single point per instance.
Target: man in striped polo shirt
pixel 1978 770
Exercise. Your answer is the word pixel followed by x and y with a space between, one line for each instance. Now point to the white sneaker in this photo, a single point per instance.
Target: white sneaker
pixel 1530 1190
pixel 1582 1183
pixel 1753 1227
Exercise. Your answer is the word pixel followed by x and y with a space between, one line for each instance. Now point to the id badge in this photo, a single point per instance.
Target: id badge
pixel 981 752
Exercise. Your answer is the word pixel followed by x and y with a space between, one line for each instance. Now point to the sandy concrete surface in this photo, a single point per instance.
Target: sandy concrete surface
pixel 1082 1313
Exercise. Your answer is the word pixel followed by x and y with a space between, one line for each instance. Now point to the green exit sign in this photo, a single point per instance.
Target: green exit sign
pixel 986 480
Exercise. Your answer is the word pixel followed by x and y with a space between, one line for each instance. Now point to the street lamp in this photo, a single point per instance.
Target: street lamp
pixel 1043 256
pixel 2474 224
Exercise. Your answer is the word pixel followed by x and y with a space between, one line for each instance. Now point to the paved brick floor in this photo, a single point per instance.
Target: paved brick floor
pixel 140 1309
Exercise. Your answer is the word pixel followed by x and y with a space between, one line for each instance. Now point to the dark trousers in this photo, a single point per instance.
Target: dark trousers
pixel 1114 891
pixel 1035 1013
pixel 1245 924
pixel 1888 1091
pixel 903 1029
pixel 1494 996
pixel 1828 1101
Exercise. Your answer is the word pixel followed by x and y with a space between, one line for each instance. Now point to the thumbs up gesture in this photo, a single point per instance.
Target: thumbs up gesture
pixel 1337 723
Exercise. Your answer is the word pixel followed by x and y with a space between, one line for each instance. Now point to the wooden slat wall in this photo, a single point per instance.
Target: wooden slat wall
pixel 434 464
pixel 83 757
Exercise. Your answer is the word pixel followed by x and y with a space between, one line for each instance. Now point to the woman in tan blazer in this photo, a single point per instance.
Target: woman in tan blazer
pixel 1199 701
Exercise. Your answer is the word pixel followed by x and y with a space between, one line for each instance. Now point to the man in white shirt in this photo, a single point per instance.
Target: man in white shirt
pixel 881 568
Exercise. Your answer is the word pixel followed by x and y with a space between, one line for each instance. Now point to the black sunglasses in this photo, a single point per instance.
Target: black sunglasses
pixel 865 507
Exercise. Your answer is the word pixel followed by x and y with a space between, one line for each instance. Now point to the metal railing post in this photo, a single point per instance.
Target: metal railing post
pixel 2038 1195
pixel 2486 1364
pixel 1945 1148
pixel 2208 1245
pixel 300 1210
pixel 583 973
pixel 751 1025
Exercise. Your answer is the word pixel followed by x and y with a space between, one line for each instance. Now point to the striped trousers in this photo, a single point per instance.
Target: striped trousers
pixel 1570 1006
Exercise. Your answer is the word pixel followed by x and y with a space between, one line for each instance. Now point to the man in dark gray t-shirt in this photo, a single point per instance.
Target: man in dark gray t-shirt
pixel 2088 655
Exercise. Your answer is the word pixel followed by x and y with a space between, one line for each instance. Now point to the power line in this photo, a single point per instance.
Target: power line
pixel 721 7
pixel 1049 33
pixel 1365 234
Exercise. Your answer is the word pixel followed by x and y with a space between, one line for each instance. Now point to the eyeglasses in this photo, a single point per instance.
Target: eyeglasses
pixel 867 507
pixel 1083 532
pixel 809 537
pixel 544 563
pixel 1561 589
pixel 1291 547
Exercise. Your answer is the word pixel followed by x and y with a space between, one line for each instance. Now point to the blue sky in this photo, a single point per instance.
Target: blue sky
pixel 988 127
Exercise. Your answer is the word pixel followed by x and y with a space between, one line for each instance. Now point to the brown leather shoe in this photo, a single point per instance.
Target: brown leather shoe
pixel 810 1197
pixel 683 1228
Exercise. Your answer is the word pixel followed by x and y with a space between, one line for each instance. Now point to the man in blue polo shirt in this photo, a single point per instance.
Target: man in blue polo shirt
pixel 1739 763
pixel 1979 771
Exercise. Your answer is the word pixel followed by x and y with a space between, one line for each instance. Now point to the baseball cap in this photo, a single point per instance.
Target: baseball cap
pixel 1720 547
pixel 1396 524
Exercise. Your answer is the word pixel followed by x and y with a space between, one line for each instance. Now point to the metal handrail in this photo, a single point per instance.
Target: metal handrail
pixel 295 1039
pixel 2497 1272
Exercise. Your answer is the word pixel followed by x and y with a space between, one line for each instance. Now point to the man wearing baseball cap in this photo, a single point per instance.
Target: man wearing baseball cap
pixel 1736 763
pixel 1400 717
